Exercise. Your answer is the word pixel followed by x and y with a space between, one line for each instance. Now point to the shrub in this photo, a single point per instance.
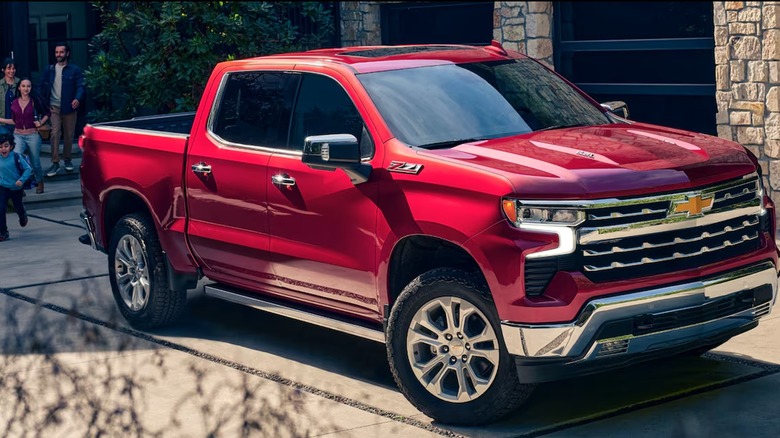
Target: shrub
pixel 156 57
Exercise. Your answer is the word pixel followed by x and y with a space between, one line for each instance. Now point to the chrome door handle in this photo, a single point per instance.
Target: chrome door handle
pixel 283 179
pixel 201 168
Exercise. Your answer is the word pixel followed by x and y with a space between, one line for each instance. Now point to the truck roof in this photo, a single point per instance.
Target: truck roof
pixel 366 59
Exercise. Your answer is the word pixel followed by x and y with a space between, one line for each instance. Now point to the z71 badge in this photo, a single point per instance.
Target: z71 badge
pixel 401 167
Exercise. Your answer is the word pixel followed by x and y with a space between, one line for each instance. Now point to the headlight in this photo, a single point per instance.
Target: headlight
pixel 519 214
pixel 545 219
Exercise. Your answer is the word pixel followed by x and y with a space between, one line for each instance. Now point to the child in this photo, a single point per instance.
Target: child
pixel 11 182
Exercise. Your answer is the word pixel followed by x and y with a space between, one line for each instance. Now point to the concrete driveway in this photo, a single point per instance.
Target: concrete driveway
pixel 70 366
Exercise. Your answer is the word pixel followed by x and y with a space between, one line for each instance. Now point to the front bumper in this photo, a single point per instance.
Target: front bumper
pixel 642 325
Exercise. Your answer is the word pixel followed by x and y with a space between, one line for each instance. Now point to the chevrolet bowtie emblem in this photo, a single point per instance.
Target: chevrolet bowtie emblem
pixel 693 206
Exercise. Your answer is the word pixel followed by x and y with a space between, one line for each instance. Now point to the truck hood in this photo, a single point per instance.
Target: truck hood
pixel 604 161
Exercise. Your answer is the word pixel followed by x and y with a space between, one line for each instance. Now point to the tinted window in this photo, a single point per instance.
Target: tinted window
pixel 323 107
pixel 255 108
pixel 445 105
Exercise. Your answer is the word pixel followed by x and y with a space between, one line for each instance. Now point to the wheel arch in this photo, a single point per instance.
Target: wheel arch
pixel 121 202
pixel 417 254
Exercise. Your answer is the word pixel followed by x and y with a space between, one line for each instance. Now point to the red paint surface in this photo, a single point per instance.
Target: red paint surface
pixel 329 243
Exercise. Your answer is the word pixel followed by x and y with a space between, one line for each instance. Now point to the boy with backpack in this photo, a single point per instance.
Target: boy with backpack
pixel 14 171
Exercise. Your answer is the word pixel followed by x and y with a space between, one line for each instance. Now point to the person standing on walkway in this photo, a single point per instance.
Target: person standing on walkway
pixel 11 182
pixel 8 87
pixel 62 90
pixel 28 113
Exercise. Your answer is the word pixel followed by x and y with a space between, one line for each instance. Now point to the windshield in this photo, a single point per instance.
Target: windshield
pixel 445 105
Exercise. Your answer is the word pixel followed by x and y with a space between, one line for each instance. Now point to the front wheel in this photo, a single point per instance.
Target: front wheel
pixel 138 275
pixel 446 351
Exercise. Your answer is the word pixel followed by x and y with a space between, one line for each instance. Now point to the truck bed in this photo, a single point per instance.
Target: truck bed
pixel 177 123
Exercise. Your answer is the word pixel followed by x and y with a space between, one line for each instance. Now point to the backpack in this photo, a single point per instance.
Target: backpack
pixel 30 182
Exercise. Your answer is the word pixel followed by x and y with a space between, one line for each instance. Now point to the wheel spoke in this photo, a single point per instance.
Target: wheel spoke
pixel 417 337
pixel 465 312
pixel 436 381
pixel 480 384
pixel 423 320
pixel 463 385
pixel 139 296
pixel 126 290
pixel 421 369
pixel 491 355
pixel 448 306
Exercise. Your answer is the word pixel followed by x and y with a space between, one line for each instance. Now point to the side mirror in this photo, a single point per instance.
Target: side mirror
pixel 617 107
pixel 336 151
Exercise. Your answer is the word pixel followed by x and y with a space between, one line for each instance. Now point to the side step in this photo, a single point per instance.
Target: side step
pixel 311 316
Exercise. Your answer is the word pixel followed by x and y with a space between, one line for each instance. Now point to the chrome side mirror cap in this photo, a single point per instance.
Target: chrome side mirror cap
pixel 336 151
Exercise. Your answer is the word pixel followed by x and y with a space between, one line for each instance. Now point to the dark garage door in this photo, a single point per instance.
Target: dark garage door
pixel 437 23
pixel 658 57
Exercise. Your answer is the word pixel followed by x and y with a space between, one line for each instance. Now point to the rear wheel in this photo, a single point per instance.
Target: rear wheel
pixel 139 277
pixel 446 351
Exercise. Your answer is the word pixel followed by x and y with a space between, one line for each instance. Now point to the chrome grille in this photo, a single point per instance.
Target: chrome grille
pixel 630 238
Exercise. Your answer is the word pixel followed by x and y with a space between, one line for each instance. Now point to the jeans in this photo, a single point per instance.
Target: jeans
pixel 6 129
pixel 64 125
pixel 16 198
pixel 33 142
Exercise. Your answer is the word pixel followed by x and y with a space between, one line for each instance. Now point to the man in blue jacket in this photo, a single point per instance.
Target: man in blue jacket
pixel 62 88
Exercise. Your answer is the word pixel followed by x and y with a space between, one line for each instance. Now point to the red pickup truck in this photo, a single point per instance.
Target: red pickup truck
pixel 488 221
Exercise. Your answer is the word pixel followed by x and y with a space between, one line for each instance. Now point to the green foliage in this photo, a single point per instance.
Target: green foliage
pixel 156 57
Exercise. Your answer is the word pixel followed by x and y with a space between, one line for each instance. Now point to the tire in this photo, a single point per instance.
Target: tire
pixel 139 277
pixel 452 381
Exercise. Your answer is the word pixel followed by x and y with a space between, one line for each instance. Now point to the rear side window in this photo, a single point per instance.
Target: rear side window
pixel 255 108
pixel 324 107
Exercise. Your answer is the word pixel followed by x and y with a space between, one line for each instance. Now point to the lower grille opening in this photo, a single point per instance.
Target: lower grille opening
pixel 715 309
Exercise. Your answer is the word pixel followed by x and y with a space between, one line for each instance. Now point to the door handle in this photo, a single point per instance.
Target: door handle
pixel 282 179
pixel 201 168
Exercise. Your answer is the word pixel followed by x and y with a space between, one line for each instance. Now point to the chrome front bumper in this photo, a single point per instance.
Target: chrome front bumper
pixel 89 224
pixel 650 321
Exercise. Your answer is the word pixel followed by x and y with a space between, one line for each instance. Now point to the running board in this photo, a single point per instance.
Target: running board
pixel 322 320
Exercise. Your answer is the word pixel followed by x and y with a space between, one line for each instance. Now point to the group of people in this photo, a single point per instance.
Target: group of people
pixel 24 110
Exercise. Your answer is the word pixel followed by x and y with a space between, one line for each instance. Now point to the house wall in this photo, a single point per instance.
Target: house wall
pixel 360 24
pixel 525 27
pixel 747 75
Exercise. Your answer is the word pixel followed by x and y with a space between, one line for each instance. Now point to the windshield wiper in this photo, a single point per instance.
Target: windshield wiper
pixel 449 143
pixel 573 125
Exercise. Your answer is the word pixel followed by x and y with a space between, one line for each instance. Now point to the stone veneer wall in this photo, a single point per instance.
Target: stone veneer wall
pixel 525 27
pixel 360 24
pixel 747 77
pixel 522 26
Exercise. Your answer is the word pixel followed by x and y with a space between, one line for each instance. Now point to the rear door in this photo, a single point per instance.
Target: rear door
pixel 227 174
pixel 322 226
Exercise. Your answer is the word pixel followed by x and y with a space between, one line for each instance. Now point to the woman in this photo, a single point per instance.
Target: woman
pixel 8 88
pixel 27 114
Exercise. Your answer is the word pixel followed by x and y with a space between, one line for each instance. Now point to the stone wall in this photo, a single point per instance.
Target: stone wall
pixel 522 26
pixel 525 27
pixel 360 24
pixel 747 76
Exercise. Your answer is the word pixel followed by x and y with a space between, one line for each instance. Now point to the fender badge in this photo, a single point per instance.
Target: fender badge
pixel 586 154
pixel 401 167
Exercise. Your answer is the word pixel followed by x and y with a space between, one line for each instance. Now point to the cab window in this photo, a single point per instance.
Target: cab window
pixel 255 108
